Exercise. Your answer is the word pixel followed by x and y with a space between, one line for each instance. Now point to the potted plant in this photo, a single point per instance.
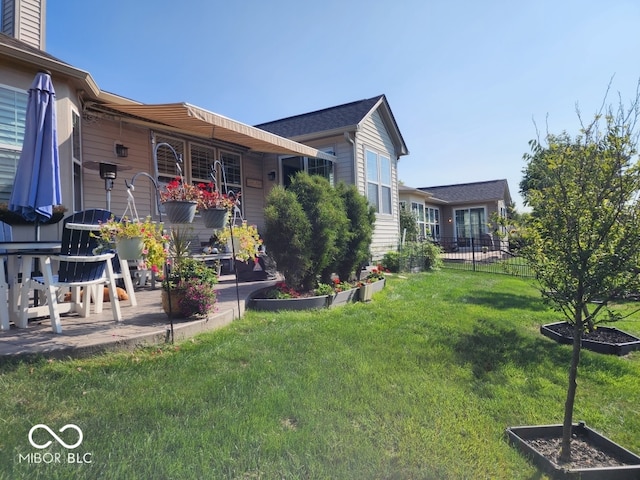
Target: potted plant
pixel 246 240
pixel 180 200
pixel 189 288
pixel 143 241
pixel 214 207
pixel 372 283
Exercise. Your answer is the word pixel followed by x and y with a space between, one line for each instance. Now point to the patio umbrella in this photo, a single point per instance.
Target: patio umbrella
pixel 36 186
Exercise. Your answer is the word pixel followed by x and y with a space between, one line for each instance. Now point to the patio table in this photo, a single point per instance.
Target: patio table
pixel 20 256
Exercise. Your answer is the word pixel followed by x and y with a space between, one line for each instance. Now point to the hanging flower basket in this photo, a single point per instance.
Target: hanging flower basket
pixel 130 248
pixel 179 211
pixel 215 217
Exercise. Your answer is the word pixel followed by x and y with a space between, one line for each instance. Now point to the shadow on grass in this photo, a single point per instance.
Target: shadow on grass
pixel 492 345
pixel 503 301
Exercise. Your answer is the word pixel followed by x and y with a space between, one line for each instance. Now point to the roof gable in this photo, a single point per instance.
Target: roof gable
pixel 19 45
pixel 492 190
pixel 341 116
pixel 344 117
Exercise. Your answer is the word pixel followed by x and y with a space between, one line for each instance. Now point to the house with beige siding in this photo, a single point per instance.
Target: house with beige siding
pixel 357 143
pixel 453 215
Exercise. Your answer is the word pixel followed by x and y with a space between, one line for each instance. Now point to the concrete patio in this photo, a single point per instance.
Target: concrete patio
pixel 145 324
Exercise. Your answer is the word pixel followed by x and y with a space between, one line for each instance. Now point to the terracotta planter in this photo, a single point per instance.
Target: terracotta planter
pixel 342 298
pixel 215 217
pixel 129 248
pixel 180 211
pixel 521 437
pixel 368 289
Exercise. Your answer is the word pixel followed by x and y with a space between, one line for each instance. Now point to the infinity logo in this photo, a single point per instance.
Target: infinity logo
pixel 56 437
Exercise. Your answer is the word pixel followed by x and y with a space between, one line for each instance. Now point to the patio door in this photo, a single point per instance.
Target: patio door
pixel 470 223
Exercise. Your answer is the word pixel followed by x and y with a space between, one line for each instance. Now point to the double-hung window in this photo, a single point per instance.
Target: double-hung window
pixel 13 110
pixel 418 212
pixel 379 181
pixel 433 222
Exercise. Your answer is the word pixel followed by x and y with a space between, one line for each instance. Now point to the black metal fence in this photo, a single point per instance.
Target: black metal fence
pixel 483 255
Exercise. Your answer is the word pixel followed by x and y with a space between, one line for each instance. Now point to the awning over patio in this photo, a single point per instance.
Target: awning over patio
pixel 196 121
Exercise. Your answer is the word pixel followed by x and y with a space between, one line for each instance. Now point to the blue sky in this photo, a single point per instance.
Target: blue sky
pixel 467 81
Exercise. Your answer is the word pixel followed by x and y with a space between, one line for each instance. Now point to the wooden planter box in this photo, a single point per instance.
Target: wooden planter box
pixel 519 437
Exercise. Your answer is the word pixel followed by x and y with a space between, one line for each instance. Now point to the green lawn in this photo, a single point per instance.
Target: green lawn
pixel 418 384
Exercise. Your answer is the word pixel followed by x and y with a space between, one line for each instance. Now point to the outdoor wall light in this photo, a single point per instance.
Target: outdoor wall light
pixel 121 150
pixel 271 175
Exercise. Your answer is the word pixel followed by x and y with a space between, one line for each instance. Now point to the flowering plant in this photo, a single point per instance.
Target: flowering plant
pixel 154 252
pixel 246 240
pixel 178 190
pixel 375 274
pixel 211 198
pixel 198 297
pixel 194 282
pixel 339 286
pixel 281 290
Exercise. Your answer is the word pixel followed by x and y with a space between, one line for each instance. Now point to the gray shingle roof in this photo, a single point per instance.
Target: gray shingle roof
pixel 20 45
pixel 471 192
pixel 321 120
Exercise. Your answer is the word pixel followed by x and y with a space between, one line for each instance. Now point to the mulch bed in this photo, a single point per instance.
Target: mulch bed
pixel 604 335
pixel 583 454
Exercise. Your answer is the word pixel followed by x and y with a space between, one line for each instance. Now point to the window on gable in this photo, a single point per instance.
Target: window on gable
pixel 13 109
pixel 379 181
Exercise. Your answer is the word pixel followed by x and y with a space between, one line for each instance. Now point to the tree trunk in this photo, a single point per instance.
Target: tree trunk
pixel 565 452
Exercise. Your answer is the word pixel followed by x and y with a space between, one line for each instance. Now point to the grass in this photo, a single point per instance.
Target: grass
pixel 418 384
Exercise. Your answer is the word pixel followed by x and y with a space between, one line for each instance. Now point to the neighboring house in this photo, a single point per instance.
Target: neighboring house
pixel 454 214
pixel 358 143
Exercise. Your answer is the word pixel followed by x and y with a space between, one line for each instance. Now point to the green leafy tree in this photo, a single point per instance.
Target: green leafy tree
pixel 581 237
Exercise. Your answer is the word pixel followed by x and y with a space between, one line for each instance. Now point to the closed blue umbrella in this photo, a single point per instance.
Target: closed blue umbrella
pixel 36 187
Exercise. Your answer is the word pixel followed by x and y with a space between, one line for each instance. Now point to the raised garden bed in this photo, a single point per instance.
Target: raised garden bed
pixel 594 457
pixel 603 340
pixel 342 298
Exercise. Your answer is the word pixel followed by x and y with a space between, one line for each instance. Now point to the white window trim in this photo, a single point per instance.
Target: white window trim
pixel 379 182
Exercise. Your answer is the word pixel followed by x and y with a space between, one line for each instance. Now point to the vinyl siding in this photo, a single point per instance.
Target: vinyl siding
pixel 373 135
pixel 25 20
